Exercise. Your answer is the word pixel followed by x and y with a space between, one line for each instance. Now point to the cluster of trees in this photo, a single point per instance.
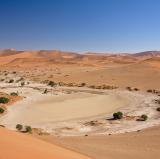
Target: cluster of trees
pixel 22 128
pixel 4 100
pixel 119 115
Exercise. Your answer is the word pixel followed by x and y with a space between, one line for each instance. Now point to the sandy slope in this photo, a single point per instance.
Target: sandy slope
pixel 135 145
pixel 19 146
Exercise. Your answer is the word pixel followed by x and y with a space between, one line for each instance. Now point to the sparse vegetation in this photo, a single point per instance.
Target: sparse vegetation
pixel 14 94
pixel 149 91
pixel 129 88
pixel 11 81
pixel 136 89
pixel 102 87
pixel 157 101
pixel 45 91
pixel 153 91
pixel 158 109
pixel 19 127
pixel 1 110
pixel 4 100
pixel 51 83
pixel 144 117
pixel 22 84
pixel 83 84
pixel 28 129
pixel 132 89
pixel 117 115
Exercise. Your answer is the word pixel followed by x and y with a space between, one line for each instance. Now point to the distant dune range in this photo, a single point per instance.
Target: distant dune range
pixel 136 70
pixel 53 56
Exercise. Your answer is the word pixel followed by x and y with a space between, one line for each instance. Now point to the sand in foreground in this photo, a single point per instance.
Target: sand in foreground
pixel 136 145
pixel 19 146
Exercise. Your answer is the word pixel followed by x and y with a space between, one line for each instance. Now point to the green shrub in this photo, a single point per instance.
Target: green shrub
pixel 1 110
pixel 14 94
pixel 28 129
pixel 4 100
pixel 118 115
pixel 144 117
pixel 19 127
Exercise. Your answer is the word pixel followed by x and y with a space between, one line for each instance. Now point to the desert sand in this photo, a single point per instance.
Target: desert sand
pixel 17 146
pixel 140 145
pixel 68 112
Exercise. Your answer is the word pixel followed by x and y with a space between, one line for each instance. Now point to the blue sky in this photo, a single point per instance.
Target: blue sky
pixel 80 25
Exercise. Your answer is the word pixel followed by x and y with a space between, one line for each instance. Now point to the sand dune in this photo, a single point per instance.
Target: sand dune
pixel 17 146
pixel 140 145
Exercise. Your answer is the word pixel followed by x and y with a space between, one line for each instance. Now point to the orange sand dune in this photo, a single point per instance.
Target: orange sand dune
pixel 14 145
pixel 8 56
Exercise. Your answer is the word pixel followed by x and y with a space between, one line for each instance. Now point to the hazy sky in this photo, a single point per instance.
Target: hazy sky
pixel 80 25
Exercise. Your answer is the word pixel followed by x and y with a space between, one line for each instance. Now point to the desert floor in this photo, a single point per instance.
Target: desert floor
pixel 144 144
pixel 127 138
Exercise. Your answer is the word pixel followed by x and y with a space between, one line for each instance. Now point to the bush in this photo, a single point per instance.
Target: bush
pixel 28 129
pixel 129 88
pixel 4 100
pixel 83 84
pixel 19 127
pixel 22 83
pixel 14 94
pixel 136 89
pixel 45 91
pixel 11 81
pixel 118 115
pixel 1 110
pixel 158 109
pixel 51 83
pixel 144 117
pixel 149 90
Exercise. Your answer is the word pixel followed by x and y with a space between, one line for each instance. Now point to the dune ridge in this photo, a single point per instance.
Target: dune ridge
pixel 17 146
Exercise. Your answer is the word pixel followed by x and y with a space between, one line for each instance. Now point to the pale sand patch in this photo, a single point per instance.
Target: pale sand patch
pixel 39 109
